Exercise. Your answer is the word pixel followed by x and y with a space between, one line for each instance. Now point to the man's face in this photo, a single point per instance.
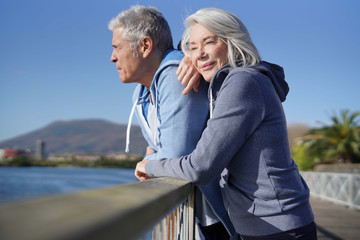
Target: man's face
pixel 126 63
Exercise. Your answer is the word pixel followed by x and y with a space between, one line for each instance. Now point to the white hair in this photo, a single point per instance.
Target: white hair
pixel 138 22
pixel 229 29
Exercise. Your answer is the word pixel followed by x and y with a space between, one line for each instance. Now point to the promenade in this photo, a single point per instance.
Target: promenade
pixel 335 222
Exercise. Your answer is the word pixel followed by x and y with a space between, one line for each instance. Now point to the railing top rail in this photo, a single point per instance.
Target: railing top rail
pixel 332 173
pixel 340 188
pixel 124 211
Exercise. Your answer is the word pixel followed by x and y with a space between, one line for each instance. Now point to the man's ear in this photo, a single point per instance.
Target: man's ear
pixel 146 46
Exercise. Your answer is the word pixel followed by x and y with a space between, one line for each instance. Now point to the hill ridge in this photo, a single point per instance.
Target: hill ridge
pixel 80 136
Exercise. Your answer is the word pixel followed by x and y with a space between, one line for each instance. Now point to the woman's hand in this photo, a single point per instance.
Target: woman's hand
pixel 188 75
pixel 140 171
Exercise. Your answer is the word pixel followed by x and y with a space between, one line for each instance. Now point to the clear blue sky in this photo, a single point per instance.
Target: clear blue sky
pixel 55 56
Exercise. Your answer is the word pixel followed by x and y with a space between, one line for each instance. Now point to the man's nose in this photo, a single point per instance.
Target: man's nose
pixel 113 58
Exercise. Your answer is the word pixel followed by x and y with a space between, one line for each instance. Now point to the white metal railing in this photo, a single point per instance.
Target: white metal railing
pixel 340 188
pixel 179 224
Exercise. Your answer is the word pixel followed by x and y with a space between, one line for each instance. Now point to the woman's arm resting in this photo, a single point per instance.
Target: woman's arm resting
pixel 188 75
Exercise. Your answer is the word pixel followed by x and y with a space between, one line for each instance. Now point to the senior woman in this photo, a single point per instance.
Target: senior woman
pixel 246 138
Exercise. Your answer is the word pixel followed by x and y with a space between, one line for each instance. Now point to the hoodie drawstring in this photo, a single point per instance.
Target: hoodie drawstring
pixel 211 103
pixel 155 136
pixel 129 126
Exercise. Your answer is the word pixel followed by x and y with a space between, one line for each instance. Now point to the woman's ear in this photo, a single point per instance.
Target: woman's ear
pixel 146 46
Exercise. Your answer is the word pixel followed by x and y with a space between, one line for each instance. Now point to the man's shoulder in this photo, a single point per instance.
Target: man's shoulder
pixel 166 72
pixel 171 57
pixel 173 54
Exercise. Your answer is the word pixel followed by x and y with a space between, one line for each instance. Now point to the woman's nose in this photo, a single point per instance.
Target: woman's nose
pixel 200 54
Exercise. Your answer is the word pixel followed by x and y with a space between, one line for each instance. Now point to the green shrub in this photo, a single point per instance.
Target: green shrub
pixel 303 158
pixel 20 161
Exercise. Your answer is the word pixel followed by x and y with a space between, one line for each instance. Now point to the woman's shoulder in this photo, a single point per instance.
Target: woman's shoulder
pixel 259 72
pixel 245 74
pixel 247 71
pixel 235 77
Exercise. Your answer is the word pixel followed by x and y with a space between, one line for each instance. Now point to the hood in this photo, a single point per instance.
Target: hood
pixel 171 57
pixel 277 76
pixel 274 72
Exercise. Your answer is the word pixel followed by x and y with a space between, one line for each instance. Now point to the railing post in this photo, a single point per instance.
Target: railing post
pixel 178 224
pixel 351 179
pixel 191 210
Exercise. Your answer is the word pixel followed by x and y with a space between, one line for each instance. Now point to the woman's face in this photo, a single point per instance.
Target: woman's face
pixel 208 53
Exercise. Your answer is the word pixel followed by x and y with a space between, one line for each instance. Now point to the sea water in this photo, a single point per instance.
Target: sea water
pixel 24 183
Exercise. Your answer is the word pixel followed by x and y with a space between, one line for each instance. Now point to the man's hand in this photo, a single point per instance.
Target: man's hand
pixel 149 151
pixel 188 75
pixel 140 172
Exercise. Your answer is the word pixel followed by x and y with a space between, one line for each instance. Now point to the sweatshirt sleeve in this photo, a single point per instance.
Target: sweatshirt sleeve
pixel 239 110
pixel 181 118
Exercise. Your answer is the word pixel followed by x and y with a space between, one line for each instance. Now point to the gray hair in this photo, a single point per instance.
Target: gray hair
pixel 138 22
pixel 229 29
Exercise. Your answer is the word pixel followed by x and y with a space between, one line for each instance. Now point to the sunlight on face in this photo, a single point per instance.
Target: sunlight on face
pixel 208 53
pixel 127 64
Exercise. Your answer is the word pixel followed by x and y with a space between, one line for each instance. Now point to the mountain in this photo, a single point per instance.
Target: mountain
pixel 81 136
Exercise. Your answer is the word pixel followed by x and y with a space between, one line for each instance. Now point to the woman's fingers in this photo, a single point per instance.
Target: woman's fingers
pixel 188 75
pixel 193 83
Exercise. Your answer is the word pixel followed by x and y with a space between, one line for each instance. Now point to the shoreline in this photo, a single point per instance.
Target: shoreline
pixel 24 161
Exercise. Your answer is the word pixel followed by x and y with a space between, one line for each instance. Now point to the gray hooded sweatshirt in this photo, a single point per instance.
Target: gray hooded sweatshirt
pixel 246 142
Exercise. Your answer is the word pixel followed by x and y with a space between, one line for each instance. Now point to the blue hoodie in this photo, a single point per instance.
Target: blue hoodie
pixel 179 123
pixel 246 142
pixel 175 114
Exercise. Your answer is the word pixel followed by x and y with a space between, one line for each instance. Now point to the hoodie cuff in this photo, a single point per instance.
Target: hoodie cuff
pixel 150 156
pixel 149 168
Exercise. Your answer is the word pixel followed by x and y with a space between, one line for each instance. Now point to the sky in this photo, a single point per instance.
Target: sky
pixel 55 57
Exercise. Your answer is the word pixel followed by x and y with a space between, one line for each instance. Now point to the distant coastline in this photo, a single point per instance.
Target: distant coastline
pixel 24 161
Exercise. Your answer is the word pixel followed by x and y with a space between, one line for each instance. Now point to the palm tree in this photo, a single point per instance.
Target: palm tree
pixel 342 138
